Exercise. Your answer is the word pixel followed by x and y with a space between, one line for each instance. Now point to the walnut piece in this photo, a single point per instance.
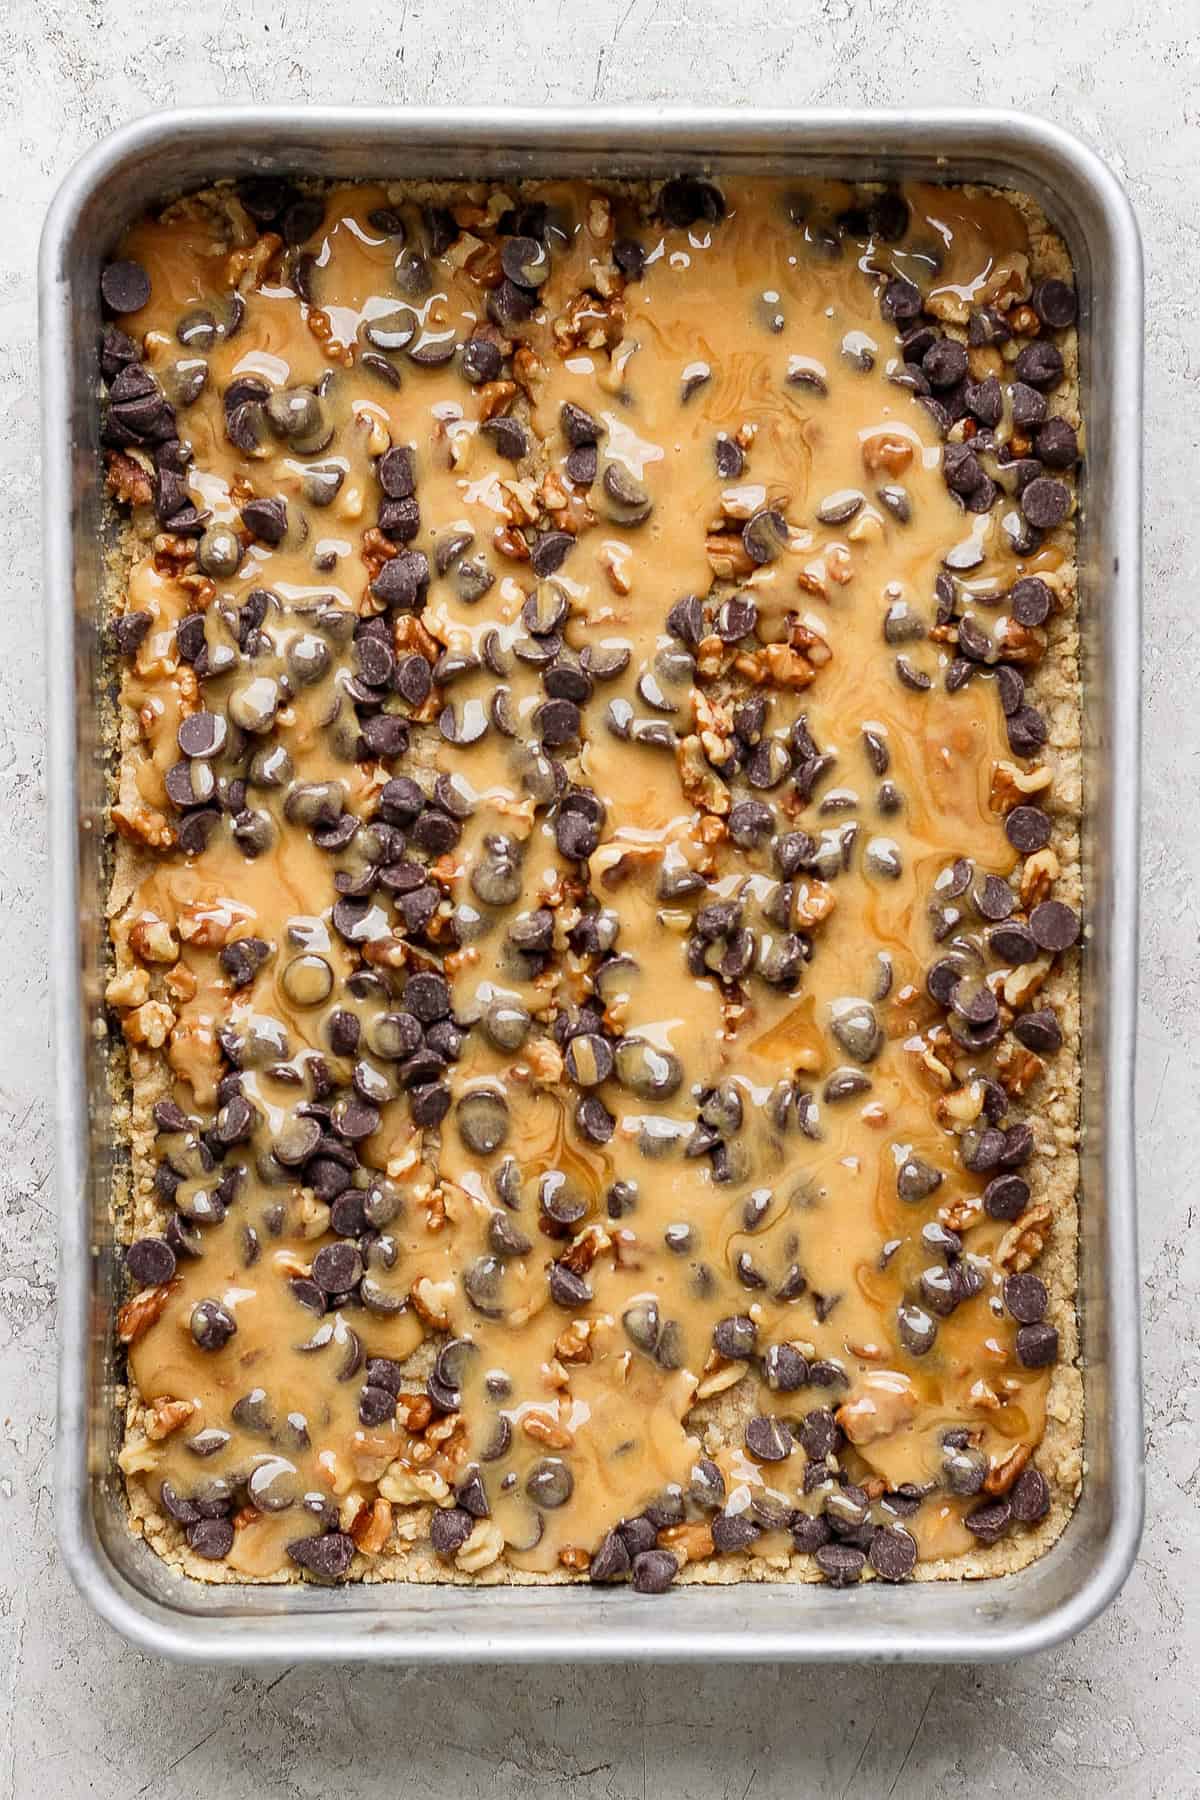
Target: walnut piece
pixel 1024 1240
pixel 166 1415
pixel 126 480
pixel 1016 787
pixel 136 1317
pixel 149 1025
pixel 373 1527
pixel 143 825
pixel 879 1403
pixel 482 1548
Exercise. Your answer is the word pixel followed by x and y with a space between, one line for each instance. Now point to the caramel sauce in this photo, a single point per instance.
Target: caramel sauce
pixel 627 1425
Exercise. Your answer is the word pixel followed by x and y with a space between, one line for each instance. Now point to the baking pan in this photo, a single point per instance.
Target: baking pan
pixel 965 1620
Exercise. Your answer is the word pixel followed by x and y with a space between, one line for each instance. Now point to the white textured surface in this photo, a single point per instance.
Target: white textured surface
pixel 1115 1712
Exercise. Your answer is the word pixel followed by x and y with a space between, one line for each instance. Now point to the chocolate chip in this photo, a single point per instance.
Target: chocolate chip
pixel 1028 406
pixel 611 1561
pixel 507 437
pixel 1039 1031
pixel 1006 1197
pixel 841 1564
pixel 764 535
pixel 630 258
pixel 427 996
pixel 150 1261
pixel 582 465
pixel 810 1534
pixel 911 676
pixel 202 734
pixel 1046 502
pixel 685 620
pixel 124 287
pixel 1037 1346
pixel 735 1337
pixel 1054 303
pixel 1027 829
pixel 995 900
pixel 985 400
pixel 403 581
pixel 211 1325
pixel 211 1538
pixel 266 519
pixel 568 1289
pixel 654 1571
pixel 901 300
pixel 1027 731
pixel 395 472
pixel 449 1529
pixel 1029 1497
pixel 685 201
pixel 1026 1298
pixel 728 457
pixel 481 360
pixel 893 1553
pixel 326 1558
pixel 1040 365
pixel 768 1439
pixel 990 1522
pixel 1054 926
pixel 1056 444
pixel 944 363
pixel 819 1431
pixel 550 552
pixel 336 1268
pixel 733 1532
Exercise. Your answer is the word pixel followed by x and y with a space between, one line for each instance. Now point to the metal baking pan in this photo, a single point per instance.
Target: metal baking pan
pixel 967 1621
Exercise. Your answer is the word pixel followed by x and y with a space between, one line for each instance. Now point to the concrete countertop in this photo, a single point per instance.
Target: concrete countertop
pixel 1114 1712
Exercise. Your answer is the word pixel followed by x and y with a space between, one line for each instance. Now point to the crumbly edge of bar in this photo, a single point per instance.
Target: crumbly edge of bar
pixel 1053 1177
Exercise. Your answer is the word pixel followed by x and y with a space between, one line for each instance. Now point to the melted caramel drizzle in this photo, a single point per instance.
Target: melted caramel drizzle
pixel 628 1424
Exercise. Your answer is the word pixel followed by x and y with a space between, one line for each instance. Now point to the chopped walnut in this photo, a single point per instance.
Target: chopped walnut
pixel 1019 643
pixel 245 269
pixel 1039 874
pixel 495 397
pixel 727 555
pixel 1016 787
pixel 1025 1240
pixel 149 1025
pixel 414 1411
pixel 144 1310
pixel 960 1215
pixel 166 1415
pixel 130 988
pixel 544 1430
pixel 1016 1067
pixel 879 1403
pixel 590 322
pixel 572 1345
pixel 701 784
pixel 615 559
pixel 1023 982
pixel 143 825
pixel 719 1376
pixel 691 1541
pixel 126 480
pixel 408 1487
pixel 1003 1470
pixel 137 1459
pixel 575 1558
pixel 889 450
pixel 482 1548
pixel 373 1527
pixel 812 903
pixel 432 1300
